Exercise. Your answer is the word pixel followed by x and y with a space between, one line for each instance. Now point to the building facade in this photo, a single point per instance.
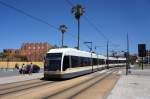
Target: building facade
pixel 32 51
pixel 11 51
pixel 147 58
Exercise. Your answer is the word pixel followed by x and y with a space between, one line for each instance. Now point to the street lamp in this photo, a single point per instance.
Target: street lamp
pixel 107 61
pixel 90 47
pixel 97 56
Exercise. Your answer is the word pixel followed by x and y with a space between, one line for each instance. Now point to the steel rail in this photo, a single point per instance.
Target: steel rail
pixel 76 85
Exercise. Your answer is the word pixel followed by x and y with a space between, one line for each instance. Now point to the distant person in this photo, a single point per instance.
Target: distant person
pixel 31 68
pixel 22 65
pixel 16 66
pixel 23 69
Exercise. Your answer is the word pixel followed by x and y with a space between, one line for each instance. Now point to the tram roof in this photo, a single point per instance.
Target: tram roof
pixel 121 58
pixel 75 52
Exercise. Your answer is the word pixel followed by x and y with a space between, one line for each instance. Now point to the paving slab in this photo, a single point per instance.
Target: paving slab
pixel 133 86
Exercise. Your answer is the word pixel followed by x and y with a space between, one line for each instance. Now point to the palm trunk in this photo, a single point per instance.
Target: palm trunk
pixel 78 47
pixel 62 39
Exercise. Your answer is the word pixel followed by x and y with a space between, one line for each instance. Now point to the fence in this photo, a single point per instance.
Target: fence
pixel 12 64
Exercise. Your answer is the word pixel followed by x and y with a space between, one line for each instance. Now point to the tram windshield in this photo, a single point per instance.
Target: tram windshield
pixel 53 61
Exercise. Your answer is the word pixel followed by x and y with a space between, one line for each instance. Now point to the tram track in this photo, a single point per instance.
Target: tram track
pixel 92 84
pixel 66 89
pixel 18 84
pixel 22 87
pixel 78 88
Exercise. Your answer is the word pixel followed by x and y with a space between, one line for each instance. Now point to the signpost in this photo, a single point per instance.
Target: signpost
pixel 142 52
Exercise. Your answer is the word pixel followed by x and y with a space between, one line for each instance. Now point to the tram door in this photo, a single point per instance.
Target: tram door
pixel 66 63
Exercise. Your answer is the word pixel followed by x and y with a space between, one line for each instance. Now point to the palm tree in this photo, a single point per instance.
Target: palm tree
pixel 63 29
pixel 3 56
pixel 78 11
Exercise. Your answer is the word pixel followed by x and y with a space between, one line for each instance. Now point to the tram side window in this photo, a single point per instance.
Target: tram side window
pixel 75 61
pixel 88 60
pixel 121 61
pixel 65 63
pixel 111 61
pixel 101 61
pixel 82 61
pixel 94 61
pixel 107 62
pixel 116 61
pixel 85 61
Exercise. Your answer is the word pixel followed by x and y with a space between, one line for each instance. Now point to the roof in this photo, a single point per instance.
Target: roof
pixel 75 52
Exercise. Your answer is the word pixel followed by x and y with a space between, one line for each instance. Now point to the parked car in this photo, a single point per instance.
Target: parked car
pixel 26 69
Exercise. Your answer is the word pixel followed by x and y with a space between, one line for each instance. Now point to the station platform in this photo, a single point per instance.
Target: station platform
pixel 21 77
pixel 135 85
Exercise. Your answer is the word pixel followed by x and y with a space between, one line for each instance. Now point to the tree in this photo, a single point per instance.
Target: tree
pixel 55 46
pixel 78 11
pixel 63 29
pixel 133 59
pixel 2 55
pixel 21 57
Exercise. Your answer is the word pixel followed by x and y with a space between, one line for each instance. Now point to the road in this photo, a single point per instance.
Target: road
pixel 12 72
pixel 91 86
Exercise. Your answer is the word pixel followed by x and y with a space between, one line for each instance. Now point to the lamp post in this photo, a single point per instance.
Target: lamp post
pixel 91 48
pixel 107 61
pixel 97 57
pixel 126 54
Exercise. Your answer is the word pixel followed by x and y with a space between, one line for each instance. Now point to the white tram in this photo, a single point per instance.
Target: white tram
pixel 69 62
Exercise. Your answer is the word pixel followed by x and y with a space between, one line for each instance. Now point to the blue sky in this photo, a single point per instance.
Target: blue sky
pixel 114 18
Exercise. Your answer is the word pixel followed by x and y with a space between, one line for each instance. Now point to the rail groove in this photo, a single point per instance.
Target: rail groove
pixel 103 76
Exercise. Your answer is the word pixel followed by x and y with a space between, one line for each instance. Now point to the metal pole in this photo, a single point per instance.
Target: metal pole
pixel 127 66
pixel 91 55
pixel 107 56
pixel 126 63
pixel 142 63
pixel 91 48
pixel 148 57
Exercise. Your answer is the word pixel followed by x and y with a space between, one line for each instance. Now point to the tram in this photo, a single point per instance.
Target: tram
pixel 67 63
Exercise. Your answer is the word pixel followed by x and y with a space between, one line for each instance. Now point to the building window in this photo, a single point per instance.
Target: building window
pixel 42 47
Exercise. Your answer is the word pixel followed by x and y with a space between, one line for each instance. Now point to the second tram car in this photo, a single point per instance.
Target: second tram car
pixel 69 62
